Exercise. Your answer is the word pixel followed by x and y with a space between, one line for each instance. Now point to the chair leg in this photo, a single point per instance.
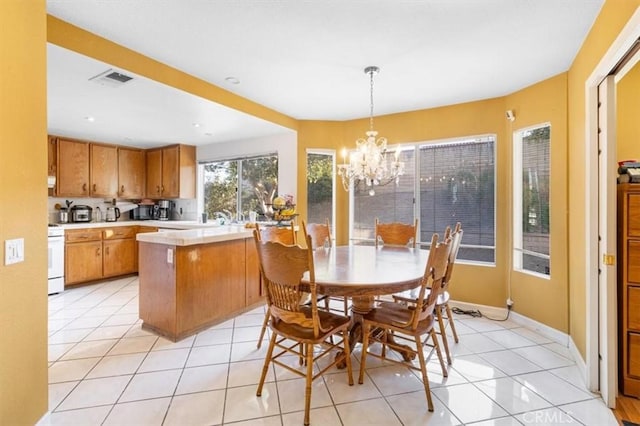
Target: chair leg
pixel 267 361
pixel 436 346
pixel 451 323
pixel 309 379
pixel 347 355
pixel 365 345
pixel 423 369
pixel 346 306
pixel 443 333
pixel 264 327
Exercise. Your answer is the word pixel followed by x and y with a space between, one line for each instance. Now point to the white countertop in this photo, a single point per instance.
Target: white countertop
pixel 190 237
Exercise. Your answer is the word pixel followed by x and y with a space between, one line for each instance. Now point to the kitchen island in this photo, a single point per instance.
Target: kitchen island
pixel 192 279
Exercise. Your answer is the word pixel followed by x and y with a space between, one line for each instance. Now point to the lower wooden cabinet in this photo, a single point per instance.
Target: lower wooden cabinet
pixel 119 257
pixel 83 262
pixel 95 253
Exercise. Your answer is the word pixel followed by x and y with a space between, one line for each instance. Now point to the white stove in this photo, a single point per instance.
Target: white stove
pixel 56 259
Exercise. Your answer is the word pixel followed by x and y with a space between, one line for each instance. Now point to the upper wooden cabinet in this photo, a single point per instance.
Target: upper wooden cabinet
pixel 171 172
pixel 131 172
pixel 103 170
pixel 85 169
pixel 73 169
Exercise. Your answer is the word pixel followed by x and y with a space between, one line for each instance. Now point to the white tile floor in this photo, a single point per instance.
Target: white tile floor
pixel 105 370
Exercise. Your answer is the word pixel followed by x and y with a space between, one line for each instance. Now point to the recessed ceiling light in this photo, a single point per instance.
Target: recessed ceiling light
pixel 208 134
pixel 232 80
pixel 196 124
pixel 90 119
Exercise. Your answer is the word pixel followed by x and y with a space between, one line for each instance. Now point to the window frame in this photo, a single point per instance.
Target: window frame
pixel 332 153
pixel 415 146
pixel 517 250
pixel 200 202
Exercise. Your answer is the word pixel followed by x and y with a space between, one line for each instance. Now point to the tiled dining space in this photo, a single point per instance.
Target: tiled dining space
pixel 104 369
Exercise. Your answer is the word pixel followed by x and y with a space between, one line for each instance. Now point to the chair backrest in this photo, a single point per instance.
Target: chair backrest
pixel 320 233
pixel 282 268
pixel 396 234
pixel 277 234
pixel 432 280
pixel 456 238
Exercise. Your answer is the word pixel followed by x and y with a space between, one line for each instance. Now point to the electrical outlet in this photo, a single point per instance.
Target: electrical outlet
pixel 509 303
pixel 169 256
pixel 13 251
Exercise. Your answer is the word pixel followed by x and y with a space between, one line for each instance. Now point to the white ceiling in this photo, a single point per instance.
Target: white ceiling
pixel 304 59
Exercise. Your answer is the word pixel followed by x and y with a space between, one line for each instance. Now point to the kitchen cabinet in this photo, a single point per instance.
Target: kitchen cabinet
pixel 95 253
pixel 171 172
pixel 103 170
pixel 119 251
pixel 131 173
pixel 52 155
pixel 629 288
pixel 82 255
pixel 73 168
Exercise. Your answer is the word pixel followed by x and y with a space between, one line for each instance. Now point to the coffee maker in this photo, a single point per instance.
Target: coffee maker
pixel 162 209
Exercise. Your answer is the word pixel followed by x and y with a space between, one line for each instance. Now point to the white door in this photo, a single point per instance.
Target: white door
pixel 607 170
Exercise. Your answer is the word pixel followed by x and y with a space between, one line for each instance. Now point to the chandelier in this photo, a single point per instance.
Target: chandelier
pixel 370 162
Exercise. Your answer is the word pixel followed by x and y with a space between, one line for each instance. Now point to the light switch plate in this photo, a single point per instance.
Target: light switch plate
pixel 169 256
pixel 13 251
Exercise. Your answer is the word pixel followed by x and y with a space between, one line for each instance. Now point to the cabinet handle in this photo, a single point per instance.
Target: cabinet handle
pixel 122 189
pixel 84 187
pixel 94 187
pixel 162 188
pixel 157 189
pixel 106 251
pixel 97 252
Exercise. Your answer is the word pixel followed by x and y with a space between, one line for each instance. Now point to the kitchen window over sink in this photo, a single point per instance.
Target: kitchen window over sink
pixel 234 187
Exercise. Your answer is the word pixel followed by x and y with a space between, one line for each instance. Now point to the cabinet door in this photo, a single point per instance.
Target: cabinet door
pixel 131 173
pixel 83 262
pixel 104 171
pixel 171 172
pixel 119 257
pixel 154 173
pixel 52 155
pixel 73 169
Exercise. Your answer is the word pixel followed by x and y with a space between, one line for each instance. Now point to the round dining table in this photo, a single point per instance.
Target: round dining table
pixel 363 272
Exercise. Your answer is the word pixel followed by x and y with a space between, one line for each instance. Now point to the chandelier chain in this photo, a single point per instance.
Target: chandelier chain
pixel 371 72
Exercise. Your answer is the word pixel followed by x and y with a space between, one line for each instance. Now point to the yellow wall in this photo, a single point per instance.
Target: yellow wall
pixel 546 300
pixel 627 113
pixel 610 21
pixel 23 201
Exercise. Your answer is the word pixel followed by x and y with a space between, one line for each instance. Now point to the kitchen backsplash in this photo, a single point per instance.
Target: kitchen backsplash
pixel 184 209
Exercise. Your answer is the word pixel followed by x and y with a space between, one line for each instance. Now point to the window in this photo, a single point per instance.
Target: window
pixel 320 187
pixel 531 200
pixel 457 184
pixel 391 202
pixel 224 192
pixel 454 182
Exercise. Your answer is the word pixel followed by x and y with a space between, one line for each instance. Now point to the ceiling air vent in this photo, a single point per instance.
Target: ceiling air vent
pixel 111 78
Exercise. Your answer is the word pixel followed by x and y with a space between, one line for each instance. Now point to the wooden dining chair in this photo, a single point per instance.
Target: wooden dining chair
pixel 275 234
pixel 390 323
pixel 395 233
pixel 320 234
pixel 442 303
pixel 299 329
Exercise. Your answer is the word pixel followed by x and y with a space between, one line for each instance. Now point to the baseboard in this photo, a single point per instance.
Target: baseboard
pixel 494 312
pixel 577 357
pixel 487 310
pixel 549 332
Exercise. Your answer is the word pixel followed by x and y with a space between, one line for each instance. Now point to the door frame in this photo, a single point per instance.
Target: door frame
pixel 594 208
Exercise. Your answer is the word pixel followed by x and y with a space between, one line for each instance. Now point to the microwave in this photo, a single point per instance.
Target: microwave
pixel 142 212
